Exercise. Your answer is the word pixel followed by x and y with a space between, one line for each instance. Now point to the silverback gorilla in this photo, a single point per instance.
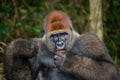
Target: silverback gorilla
pixel 62 54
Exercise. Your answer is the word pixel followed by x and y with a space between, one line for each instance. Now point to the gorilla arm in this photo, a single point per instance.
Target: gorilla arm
pixel 24 59
pixel 24 48
pixel 88 59
pixel 16 64
pixel 89 45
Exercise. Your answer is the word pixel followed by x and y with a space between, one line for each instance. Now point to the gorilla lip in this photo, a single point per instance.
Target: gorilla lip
pixel 60 51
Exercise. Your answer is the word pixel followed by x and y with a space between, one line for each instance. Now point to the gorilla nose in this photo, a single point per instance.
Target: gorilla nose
pixel 60 45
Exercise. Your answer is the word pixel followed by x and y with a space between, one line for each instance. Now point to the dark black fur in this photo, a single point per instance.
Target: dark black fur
pixel 89 59
pixel 32 60
pixel 21 62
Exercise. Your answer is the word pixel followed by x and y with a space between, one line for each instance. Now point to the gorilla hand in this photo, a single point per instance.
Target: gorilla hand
pixel 59 58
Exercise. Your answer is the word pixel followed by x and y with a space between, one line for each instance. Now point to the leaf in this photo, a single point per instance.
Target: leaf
pixel 23 11
pixel 2 29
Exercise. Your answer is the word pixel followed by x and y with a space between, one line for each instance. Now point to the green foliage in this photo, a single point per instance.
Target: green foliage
pixel 111 24
pixel 25 18
pixel 2 30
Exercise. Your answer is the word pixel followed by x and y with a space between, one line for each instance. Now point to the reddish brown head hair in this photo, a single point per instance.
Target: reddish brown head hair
pixel 57 20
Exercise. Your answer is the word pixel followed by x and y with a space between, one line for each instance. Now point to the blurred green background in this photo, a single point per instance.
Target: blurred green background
pixel 24 18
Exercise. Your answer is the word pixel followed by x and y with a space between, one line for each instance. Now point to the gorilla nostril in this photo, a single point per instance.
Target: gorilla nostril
pixel 60 45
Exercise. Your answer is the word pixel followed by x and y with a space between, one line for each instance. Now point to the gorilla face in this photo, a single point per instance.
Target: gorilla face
pixel 59 40
pixel 59 32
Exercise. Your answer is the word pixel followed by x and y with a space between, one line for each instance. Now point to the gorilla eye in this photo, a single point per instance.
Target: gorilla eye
pixel 55 37
pixel 52 37
pixel 66 36
pixel 63 36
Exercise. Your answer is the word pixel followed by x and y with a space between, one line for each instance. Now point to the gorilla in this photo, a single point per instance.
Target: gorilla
pixel 61 54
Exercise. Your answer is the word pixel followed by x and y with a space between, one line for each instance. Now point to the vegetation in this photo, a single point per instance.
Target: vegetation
pixel 24 18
